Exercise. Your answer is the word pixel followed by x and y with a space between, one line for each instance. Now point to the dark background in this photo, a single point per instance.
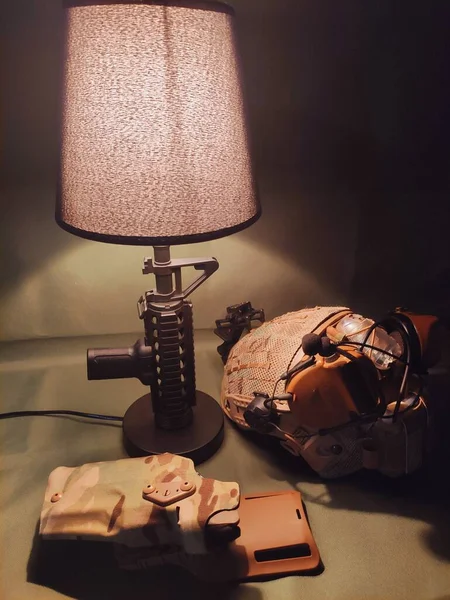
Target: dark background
pixel 352 99
pixel 349 114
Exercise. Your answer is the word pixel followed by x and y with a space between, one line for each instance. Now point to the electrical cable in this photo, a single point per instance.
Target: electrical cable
pixel 416 402
pixel 406 362
pixel 271 400
pixel 280 378
pixel 401 391
pixel 53 413
pixel 364 345
pixel 345 353
pixel 275 388
pixel 405 429
pixel 374 325
pixel 292 358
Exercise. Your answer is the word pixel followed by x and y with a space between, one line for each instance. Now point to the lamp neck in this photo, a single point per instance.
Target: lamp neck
pixel 162 254
pixel 162 271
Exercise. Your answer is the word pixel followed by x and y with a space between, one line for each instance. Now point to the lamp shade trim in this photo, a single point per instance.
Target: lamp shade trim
pixel 157 241
pixel 199 4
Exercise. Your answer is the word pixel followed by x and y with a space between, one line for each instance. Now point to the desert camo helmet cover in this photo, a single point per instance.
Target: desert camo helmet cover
pixel 255 364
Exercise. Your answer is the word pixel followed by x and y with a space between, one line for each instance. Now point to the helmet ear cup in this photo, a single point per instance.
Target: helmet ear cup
pixel 335 393
pixel 419 333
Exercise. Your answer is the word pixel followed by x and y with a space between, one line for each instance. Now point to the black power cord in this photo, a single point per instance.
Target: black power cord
pixel 54 413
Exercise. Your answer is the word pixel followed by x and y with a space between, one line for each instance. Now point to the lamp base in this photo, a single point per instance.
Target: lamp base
pixel 197 441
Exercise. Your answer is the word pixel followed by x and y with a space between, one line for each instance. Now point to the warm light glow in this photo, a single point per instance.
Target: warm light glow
pixel 154 140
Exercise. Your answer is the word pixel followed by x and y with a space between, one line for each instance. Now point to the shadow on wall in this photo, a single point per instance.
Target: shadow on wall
pixel 361 96
pixel 403 246
pixel 30 92
pixel 29 234
pixel 302 71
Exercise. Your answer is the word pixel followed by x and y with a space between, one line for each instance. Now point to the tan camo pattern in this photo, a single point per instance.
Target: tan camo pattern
pixel 104 501
pixel 260 357
pixel 254 365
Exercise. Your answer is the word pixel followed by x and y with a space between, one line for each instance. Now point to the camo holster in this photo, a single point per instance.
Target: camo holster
pixel 155 509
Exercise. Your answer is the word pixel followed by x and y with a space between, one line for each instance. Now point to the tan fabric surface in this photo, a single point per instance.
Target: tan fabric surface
pixel 378 539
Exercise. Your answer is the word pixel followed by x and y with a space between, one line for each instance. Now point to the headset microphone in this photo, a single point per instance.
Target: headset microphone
pixel 313 344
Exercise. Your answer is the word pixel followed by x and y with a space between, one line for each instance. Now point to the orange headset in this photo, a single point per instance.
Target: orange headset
pixel 336 384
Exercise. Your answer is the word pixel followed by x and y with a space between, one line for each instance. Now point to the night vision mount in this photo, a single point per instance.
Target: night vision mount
pixel 239 318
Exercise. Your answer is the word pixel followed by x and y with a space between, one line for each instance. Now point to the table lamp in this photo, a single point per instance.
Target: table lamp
pixel 155 152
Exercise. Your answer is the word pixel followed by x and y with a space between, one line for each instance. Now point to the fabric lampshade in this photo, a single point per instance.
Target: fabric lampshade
pixel 154 146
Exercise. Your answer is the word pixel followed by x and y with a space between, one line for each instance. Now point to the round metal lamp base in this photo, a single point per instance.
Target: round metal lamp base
pixel 197 441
